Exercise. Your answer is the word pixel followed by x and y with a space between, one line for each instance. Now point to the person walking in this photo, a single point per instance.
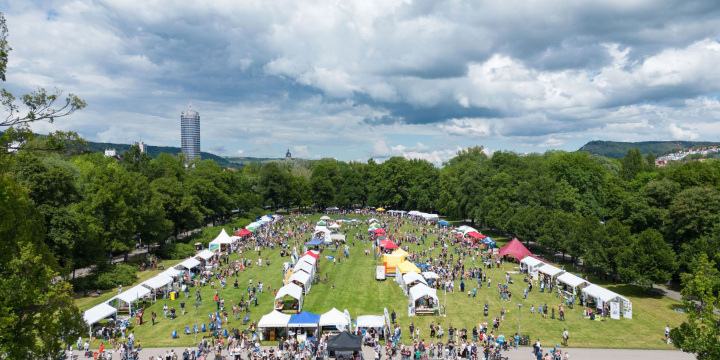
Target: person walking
pixel 667 334
pixel 565 336
pixel 152 316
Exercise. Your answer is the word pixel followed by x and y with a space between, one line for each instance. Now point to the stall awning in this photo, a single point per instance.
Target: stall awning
pixel 222 238
pixel 400 252
pixel 308 259
pixel 549 270
pixel 190 263
pixel 314 242
pixel 345 342
pixel 98 313
pixel 171 272
pixel 531 261
pixel 275 319
pixel 387 244
pixel 406 267
pixel 301 277
pixel 158 282
pixel 601 293
pixel 304 320
pixel 205 254
pixel 134 293
pixel 333 317
pixel 303 266
pixel 290 290
pixel 370 321
pixel 412 277
pixel 337 237
pixel 244 232
pixel 571 280
pixel 420 290
pixel 312 253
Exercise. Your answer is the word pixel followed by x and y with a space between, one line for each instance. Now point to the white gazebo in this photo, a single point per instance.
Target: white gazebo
pixel 532 265
pixel 337 237
pixel 303 279
pixel 273 320
pixel 223 239
pixel 423 300
pixel 308 259
pixel 550 271
pixel 304 266
pixel 371 322
pixel 135 293
pixel 292 291
pixel 171 272
pixel 189 263
pixel 98 313
pixel 572 282
pixel 156 283
pixel 409 280
pixel 335 318
pixel 205 254
pixel 600 295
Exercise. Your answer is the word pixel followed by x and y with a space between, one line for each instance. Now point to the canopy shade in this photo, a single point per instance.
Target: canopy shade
pixel 222 238
pixel 321 223
pixel 304 266
pixel 549 270
pixel 443 223
pixel 275 319
pixel 335 226
pixel 308 259
pixel 314 242
pixel 134 293
pixel 303 278
pixel 98 313
pixel 205 254
pixel 304 320
pixel 388 244
pixel 571 280
pixel 420 290
pixel 158 282
pixel 531 261
pixel 469 230
pixel 463 227
pixel 379 231
pixel 290 290
pixel 325 217
pixel 171 272
pixel 337 237
pixel 601 293
pixel 244 232
pixel 475 235
pixel 334 317
pixel 312 253
pixel 406 267
pixel 400 252
pixel 516 249
pixel 380 209
pixel 430 275
pixel 370 321
pixel 345 342
pixel 190 263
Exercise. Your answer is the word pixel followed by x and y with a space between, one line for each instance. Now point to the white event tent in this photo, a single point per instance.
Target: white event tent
pixel 409 280
pixel 334 317
pixel 98 313
pixel 302 278
pixel 222 239
pixel 274 319
pixel 171 272
pixel 337 237
pixel 189 263
pixel 532 265
pixel 418 293
pixel 205 254
pixel 618 303
pixel 370 321
pixel 293 291
pixel 550 270
pixel 573 281
pixel 135 293
pixel 304 266
pixel 308 259
pixel 156 283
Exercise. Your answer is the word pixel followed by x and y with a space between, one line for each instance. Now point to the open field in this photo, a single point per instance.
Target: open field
pixel 358 292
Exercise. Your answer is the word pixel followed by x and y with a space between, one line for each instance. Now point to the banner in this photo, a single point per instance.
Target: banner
pixel 411 308
pixel 349 320
pixel 627 311
pixel 387 318
pixel 615 310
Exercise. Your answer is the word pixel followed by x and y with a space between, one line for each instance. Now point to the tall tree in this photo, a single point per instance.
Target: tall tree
pixel 647 260
pixel 632 164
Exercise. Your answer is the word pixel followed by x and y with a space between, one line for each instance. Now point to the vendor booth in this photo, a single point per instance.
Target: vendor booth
pixel 344 344
pixel 390 261
pixel 337 238
pixel 515 249
pixel 289 298
pixel 97 313
pixel 304 266
pixel 367 322
pixel 597 297
pixel 333 320
pixel 302 279
pixel 222 241
pixel 401 252
pixel 189 264
pixel 314 242
pixel 157 283
pixel 423 301
pixel 303 325
pixel 134 294
pixel 312 253
pixel 532 264
pixel 409 280
pixel 571 284
pixel 308 259
pixel 273 326
pixel 549 273
pixel 406 267
pixel 205 255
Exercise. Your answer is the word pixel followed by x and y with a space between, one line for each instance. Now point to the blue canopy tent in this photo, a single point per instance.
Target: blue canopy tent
pixel 490 242
pixel 305 320
pixel 314 242
pixel 443 223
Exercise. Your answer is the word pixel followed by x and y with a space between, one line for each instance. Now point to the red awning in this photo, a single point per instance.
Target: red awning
pixel 388 244
pixel 476 235
pixel 312 253
pixel 379 231
pixel 244 232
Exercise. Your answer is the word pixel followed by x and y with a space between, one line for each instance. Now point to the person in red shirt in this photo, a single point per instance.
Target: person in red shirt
pixel 102 348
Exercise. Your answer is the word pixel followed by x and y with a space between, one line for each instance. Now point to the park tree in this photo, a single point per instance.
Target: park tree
pixel 181 207
pixel 632 164
pixel 700 333
pixel 273 184
pixel 36 311
pixel 647 259
pixel 692 214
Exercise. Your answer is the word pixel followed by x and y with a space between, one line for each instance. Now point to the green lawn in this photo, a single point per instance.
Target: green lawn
pixel 357 291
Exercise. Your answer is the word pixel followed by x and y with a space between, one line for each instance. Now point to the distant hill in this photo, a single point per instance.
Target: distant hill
pixel 616 149
pixel 154 151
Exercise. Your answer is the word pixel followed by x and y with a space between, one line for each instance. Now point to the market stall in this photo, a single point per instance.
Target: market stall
pixel 409 280
pixel 390 261
pixel 406 267
pixel 367 322
pixel 204 255
pixel 304 266
pixel 531 264
pixel 548 273
pixel 334 320
pixel 423 301
pixel 97 313
pixel 289 298
pixel 570 283
pixel 303 325
pixel 344 345
pixel 189 264
pixel 273 325
pixel 597 297
pixel 302 279
pixel 157 283
pixel 222 241
pixel 134 294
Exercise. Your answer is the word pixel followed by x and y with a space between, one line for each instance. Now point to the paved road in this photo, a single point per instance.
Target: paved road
pixel 520 354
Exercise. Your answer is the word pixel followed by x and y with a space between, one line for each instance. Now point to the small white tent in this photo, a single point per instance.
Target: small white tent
pixel 133 294
pixel 98 313
pixel 302 278
pixel 334 317
pixel 189 263
pixel 293 291
pixel 222 239
pixel 550 270
pixel 532 264
pixel 304 266
pixel 205 254
pixel 156 283
pixel 274 319
pixel 573 281
pixel 423 299
pixel 370 321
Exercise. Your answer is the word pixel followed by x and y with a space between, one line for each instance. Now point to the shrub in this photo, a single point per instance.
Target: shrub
pixel 117 275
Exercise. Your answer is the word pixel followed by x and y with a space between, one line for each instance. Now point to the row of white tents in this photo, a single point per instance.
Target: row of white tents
pixel 300 282
pixel 619 305
pixel 415 286
pixel 333 320
pixel 425 216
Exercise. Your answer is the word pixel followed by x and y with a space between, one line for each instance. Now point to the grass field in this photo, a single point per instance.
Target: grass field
pixel 357 291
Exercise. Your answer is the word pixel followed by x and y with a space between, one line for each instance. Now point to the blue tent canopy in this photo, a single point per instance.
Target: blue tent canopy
pixel 443 223
pixel 305 320
pixel 489 241
pixel 314 242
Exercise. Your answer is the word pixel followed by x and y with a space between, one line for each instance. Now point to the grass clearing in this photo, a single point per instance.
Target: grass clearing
pixel 357 291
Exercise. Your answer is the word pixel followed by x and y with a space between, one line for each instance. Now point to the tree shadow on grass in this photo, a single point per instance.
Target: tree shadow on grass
pixel 633 290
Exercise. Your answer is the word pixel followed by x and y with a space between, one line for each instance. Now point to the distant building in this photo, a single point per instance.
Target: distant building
pixel 110 152
pixel 190 133
pixel 288 156
pixel 141 145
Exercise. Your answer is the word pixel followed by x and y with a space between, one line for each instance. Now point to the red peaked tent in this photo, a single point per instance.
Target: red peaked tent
pixel 379 231
pixel 516 249
pixel 312 253
pixel 244 232
pixel 388 244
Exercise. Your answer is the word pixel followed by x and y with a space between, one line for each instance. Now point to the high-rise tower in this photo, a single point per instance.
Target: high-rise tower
pixel 190 133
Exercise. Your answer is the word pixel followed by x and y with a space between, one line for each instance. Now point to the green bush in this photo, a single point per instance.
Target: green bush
pixel 174 251
pixel 119 274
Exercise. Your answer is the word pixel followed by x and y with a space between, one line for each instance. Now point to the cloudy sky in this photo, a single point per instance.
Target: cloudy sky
pixel 354 79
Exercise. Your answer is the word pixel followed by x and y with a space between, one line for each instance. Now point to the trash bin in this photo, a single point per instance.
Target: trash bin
pixel 172 295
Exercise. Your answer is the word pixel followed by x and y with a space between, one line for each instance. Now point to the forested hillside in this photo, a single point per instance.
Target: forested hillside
pixel 617 149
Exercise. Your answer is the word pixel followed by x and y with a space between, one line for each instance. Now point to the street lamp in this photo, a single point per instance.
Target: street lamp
pixel 519 323
pixel 197 305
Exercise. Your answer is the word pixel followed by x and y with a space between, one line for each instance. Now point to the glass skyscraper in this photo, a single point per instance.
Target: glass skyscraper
pixel 190 133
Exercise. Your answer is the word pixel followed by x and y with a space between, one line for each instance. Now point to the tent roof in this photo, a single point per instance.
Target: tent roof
pixel 516 249
pixel 335 226
pixel 531 261
pixel 337 237
pixel 190 263
pixel 333 317
pixel 158 282
pixel 345 342
pixel 406 267
pixel 274 319
pixel 601 293
pixel 134 293
pixel 388 244
pixel 304 319
pixel 314 242
pixel 300 276
pixel 462 227
pixel 400 252
pixel 171 272
pixel 572 280
pixel 98 312
pixel 222 238
pixel 549 270
pixel 420 290
pixel 243 232
pixel 308 259
pixel 325 217
pixel 412 276
pixel 430 275
pixel 370 321
pixel 475 235
pixel 291 290
pixel 205 254
pixel 469 230
pixel 303 266
pixel 312 253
